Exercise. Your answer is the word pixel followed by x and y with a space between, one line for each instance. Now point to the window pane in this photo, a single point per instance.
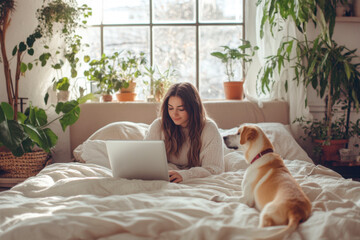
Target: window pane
pixel 126 38
pixel 96 6
pixel 212 70
pixel 126 11
pixel 118 39
pixel 91 36
pixel 221 11
pixel 173 11
pixel 175 46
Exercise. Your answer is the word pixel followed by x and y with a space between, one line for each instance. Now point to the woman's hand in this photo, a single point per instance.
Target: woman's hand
pixel 174 176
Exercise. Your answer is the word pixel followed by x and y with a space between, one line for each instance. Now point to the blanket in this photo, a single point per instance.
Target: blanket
pixel 83 201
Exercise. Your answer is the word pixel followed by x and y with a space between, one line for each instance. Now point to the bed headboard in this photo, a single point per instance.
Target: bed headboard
pixel 227 114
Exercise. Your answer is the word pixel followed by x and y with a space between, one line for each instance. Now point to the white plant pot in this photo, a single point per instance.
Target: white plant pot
pixel 63 96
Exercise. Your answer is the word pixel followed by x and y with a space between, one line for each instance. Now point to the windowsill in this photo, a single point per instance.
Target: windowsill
pixel 204 100
pixel 348 19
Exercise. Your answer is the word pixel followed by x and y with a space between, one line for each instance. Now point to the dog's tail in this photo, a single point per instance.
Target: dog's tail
pixel 291 227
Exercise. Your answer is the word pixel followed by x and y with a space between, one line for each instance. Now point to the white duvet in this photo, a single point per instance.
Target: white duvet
pixel 83 201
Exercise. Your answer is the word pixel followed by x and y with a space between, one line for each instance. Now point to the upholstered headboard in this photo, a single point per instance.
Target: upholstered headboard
pixel 227 114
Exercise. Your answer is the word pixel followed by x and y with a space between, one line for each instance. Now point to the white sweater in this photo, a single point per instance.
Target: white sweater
pixel 211 152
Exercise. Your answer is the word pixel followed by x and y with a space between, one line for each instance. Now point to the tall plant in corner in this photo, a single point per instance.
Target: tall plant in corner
pixel 321 63
pixel 20 132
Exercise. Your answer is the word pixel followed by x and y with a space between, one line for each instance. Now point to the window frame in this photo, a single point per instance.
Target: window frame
pixel 197 24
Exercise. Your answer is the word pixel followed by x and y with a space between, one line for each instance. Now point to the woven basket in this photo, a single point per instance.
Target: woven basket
pixel 25 166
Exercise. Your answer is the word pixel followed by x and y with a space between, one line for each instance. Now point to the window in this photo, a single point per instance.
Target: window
pixel 180 33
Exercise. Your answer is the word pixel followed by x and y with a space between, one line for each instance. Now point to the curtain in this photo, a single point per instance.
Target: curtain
pixel 268 45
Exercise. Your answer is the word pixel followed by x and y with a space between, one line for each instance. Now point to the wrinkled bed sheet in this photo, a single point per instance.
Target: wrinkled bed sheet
pixel 83 201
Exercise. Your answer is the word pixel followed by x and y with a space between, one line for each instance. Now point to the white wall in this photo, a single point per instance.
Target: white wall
pixel 35 82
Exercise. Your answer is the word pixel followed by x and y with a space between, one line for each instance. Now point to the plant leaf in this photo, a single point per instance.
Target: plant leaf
pixel 8 111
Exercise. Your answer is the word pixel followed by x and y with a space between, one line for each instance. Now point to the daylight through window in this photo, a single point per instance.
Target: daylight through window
pixel 177 33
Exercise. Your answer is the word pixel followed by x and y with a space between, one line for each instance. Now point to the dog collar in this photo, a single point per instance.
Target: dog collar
pixel 269 150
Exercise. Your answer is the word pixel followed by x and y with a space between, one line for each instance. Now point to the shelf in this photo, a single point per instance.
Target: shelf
pixel 348 19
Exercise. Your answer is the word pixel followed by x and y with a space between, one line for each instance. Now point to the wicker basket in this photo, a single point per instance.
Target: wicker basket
pixel 25 166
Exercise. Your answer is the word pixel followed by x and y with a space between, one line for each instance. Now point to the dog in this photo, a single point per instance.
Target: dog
pixel 268 185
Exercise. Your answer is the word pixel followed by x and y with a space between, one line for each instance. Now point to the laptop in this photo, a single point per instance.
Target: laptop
pixel 138 159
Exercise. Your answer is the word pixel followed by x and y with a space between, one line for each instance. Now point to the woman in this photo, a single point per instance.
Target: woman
pixel 193 143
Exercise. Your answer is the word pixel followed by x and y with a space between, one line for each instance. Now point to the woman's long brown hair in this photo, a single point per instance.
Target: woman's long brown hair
pixel 174 137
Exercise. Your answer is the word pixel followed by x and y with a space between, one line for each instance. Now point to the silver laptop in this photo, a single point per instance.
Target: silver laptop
pixel 138 159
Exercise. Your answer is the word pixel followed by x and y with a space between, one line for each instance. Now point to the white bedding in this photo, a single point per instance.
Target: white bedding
pixel 83 201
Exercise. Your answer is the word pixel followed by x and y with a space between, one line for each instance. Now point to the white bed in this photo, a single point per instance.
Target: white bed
pixel 82 200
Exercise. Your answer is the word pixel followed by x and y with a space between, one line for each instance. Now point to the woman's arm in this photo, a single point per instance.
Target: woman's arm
pixel 211 155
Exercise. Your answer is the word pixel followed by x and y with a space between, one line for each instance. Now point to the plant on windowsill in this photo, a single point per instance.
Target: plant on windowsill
pixel 25 138
pixel 103 72
pixel 232 58
pixel 321 63
pixel 131 67
pixel 159 82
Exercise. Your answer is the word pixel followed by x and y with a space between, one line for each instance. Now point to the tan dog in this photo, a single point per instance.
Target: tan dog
pixel 268 184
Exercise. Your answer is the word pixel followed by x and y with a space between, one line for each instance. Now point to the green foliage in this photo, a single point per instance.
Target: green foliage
pixel 62 84
pixel 103 72
pixel 317 129
pixel 320 63
pixel 32 127
pixel 67 13
pixel 159 82
pixel 131 66
pixel 233 56
pixel 115 71
pixel 70 17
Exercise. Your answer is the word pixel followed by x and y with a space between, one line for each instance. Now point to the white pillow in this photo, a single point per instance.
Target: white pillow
pixel 93 150
pixel 282 139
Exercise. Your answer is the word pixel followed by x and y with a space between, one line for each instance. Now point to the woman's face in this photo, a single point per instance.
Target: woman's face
pixel 177 111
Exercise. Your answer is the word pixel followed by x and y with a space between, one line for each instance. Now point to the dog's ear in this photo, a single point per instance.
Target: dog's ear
pixel 248 133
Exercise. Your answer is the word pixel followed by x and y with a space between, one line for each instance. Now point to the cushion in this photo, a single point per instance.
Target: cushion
pixel 282 139
pixel 93 150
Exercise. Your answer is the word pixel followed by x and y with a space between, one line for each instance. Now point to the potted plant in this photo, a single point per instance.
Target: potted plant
pixel 159 82
pixel 320 63
pixel 317 130
pixel 131 68
pixel 232 58
pixel 62 87
pixel 104 73
pixel 25 138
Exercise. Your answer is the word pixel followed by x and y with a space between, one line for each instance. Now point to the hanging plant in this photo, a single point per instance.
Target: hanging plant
pixel 63 17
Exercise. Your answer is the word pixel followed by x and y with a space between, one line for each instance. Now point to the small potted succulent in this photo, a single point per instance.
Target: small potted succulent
pixel 232 58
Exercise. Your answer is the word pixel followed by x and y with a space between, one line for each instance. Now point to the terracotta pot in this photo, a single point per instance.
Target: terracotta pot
pixel 331 152
pixel 107 97
pixel 130 89
pixel 233 90
pixel 125 96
